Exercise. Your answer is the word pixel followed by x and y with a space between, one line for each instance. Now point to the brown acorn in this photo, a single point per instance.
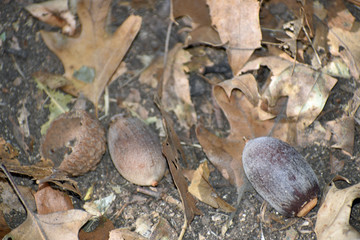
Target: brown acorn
pixel 75 142
pixel 135 151
pixel 281 176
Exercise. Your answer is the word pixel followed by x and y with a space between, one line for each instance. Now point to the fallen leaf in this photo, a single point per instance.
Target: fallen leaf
pixel 124 234
pixel 333 216
pixel 94 50
pixel 201 189
pixel 23 120
pixel 237 22
pixel 163 230
pixel 99 207
pixel 43 172
pixel 307 90
pixel 58 104
pixel 151 75
pixel 346 45
pixel 55 13
pixel 4 228
pixel 336 165
pixel 101 232
pixel 238 98
pixel 339 16
pixel 7 151
pixel 176 89
pixel 173 152
pixel 343 133
pixel 63 225
pixel 49 80
pixel 54 226
pixel 11 202
pixel 198 12
pixel 133 104
pixel 49 200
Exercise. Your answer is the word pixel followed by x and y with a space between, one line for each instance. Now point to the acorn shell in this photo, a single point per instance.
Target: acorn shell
pixel 75 142
pixel 281 176
pixel 135 151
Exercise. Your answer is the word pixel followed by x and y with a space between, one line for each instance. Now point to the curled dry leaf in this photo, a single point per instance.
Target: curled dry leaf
pixel 75 142
pixel 238 98
pixel 201 189
pixel 55 13
pixel 176 89
pixel 198 11
pixel 94 51
pixel 237 22
pixel 334 214
pixel 163 230
pixel 347 42
pixel 307 90
pixel 63 225
pixel 173 152
pixel 343 134
pixel 135 151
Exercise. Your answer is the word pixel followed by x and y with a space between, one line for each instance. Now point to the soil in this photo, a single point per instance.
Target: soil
pixel 18 90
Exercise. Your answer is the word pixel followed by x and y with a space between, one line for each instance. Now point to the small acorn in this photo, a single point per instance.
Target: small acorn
pixel 135 151
pixel 281 176
pixel 74 142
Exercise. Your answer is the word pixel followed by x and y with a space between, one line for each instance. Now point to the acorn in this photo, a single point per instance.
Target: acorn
pixel 281 176
pixel 135 151
pixel 75 142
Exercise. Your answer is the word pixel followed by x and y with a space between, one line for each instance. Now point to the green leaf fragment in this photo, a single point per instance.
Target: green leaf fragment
pixel 58 104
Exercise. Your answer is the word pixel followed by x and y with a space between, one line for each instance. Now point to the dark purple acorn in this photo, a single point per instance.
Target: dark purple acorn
pixel 281 176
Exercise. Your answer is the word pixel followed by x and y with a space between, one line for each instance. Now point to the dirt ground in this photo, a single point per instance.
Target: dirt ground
pixel 17 89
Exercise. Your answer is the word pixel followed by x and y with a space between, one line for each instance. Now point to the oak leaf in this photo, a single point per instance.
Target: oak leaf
pixel 95 55
pixel 201 189
pixel 238 24
pixel 334 214
pixel 63 225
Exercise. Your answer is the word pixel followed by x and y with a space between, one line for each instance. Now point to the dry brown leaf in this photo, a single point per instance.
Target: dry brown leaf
pixel 55 13
pixel 124 234
pixel 336 165
pixel 339 16
pixel 49 200
pixel 163 230
pixel 95 51
pixel 201 189
pixel 238 98
pixel 101 232
pixel 11 202
pixel 237 22
pixel 307 90
pixel 346 45
pixel 173 152
pixel 343 133
pixel 198 11
pixel 54 226
pixel 7 151
pixel 4 228
pixel 333 216
pixel 133 104
pixel 176 89
pixel 151 75
pixel 43 171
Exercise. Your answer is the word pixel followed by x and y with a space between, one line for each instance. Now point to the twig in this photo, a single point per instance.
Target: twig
pixel 18 69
